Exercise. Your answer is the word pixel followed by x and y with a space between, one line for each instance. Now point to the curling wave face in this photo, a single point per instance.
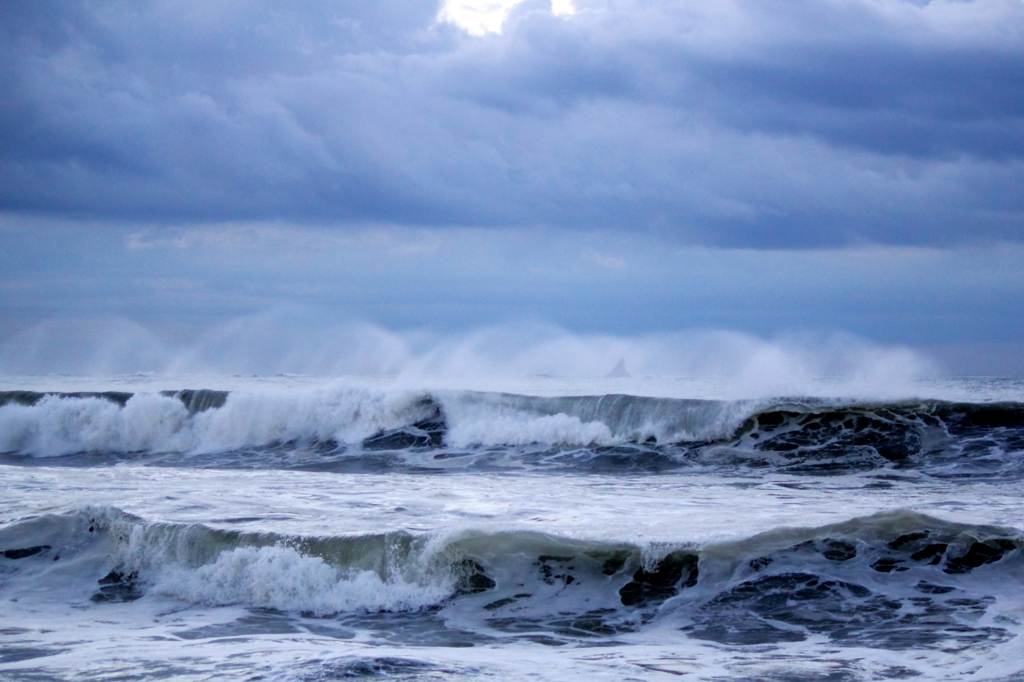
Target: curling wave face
pixel 357 429
pixel 895 580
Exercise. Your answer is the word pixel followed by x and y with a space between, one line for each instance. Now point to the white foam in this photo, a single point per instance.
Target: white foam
pixel 282 578
pixel 346 415
pixel 501 419
pixel 59 426
pixel 486 428
pixel 203 566
pixel 155 423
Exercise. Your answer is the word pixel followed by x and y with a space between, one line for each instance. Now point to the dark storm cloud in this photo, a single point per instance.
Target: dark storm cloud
pixel 797 123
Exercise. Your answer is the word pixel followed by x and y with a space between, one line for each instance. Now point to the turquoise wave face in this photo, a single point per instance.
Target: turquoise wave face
pixel 893 580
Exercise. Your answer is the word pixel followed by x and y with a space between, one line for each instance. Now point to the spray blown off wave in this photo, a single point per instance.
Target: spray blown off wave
pixel 338 429
pixel 280 342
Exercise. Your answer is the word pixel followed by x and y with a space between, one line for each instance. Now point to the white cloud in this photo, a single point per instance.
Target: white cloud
pixel 480 17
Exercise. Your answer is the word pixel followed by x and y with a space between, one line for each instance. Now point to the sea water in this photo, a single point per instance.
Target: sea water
pixel 543 528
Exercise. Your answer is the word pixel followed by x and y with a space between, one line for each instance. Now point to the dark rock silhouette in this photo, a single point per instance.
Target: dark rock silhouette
pixel 619 371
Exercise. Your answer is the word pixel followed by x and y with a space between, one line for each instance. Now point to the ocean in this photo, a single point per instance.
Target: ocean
pixel 539 528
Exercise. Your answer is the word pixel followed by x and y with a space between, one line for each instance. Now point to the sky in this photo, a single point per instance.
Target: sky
pixel 266 186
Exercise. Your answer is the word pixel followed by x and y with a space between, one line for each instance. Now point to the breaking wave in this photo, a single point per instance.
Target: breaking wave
pixel 894 580
pixel 339 429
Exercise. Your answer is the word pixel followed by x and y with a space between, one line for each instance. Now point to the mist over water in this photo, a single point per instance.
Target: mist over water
pixel 277 342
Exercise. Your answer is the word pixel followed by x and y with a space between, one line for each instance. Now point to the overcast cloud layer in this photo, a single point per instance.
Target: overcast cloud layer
pixel 803 123
pixel 240 184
